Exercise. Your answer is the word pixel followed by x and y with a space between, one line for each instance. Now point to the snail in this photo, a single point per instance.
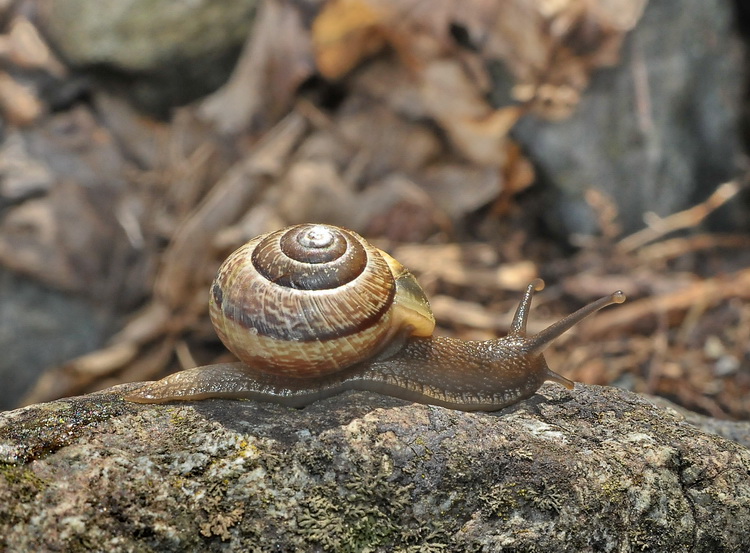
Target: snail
pixel 313 310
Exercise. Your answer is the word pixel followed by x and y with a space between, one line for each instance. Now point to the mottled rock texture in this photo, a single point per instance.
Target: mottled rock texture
pixel 596 469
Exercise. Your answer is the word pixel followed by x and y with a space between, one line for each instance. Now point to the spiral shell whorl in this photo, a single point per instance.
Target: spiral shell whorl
pixel 310 257
pixel 278 312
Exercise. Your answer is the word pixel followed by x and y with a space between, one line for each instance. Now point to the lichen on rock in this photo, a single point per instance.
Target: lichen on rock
pixel 596 469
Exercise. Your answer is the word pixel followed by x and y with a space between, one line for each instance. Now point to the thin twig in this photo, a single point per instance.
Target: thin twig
pixel 660 226
pixel 710 292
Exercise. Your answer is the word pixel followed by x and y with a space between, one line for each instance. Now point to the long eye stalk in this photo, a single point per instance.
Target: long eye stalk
pixel 543 339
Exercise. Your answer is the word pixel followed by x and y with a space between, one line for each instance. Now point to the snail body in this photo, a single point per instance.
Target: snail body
pixel 273 294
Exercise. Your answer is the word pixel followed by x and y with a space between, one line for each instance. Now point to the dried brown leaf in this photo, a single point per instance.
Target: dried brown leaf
pixel 345 33
pixel 19 104
pixel 276 59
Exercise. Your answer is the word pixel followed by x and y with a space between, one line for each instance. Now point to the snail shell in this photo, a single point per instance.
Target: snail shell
pixel 314 310
pixel 310 300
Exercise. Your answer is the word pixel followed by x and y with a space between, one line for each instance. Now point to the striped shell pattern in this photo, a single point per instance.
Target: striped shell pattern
pixel 312 299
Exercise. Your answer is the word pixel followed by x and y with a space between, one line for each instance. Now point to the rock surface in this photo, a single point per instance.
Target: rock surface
pixel 658 132
pixel 596 469
pixel 67 326
pixel 166 52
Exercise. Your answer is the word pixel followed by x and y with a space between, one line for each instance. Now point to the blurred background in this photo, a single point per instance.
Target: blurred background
pixel 599 144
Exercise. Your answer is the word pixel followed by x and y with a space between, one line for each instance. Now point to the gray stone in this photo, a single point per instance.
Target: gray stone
pixel 161 53
pixel 658 132
pixel 40 328
pixel 595 469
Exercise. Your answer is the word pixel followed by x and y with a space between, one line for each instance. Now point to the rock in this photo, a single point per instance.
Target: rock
pixel 31 315
pixel 657 133
pixel 161 54
pixel 737 431
pixel 596 469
